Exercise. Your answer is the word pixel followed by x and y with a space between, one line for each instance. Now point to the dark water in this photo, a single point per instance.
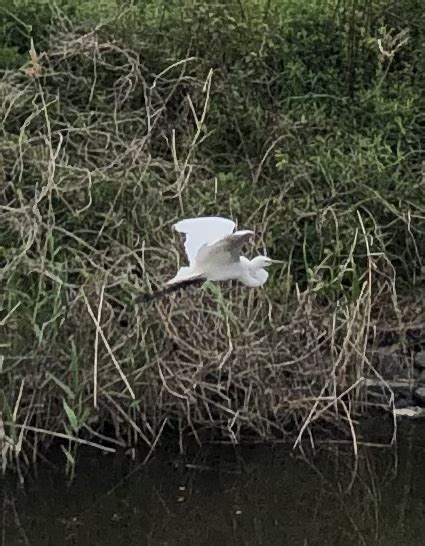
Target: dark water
pixel 225 496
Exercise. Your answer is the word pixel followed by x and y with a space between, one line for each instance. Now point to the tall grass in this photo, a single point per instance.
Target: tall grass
pixel 305 125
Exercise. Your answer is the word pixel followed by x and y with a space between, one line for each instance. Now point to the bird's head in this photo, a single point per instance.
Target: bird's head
pixel 262 262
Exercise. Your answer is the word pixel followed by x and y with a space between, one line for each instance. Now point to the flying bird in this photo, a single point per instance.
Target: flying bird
pixel 213 249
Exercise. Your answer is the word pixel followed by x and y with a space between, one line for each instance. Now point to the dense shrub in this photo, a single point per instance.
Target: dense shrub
pixel 303 120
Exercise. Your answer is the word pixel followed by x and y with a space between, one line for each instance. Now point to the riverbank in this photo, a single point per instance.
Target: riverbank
pixel 302 124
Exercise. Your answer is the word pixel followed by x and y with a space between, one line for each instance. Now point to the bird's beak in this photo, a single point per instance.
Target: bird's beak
pixel 277 262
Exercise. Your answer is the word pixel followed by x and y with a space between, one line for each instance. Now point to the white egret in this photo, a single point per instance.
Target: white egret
pixel 213 249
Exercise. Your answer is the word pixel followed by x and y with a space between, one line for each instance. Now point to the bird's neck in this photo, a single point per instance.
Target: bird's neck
pixel 254 275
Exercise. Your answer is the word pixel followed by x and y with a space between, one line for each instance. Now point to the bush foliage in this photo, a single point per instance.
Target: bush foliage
pixel 302 120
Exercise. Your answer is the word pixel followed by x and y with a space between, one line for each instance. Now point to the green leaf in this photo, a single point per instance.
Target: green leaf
pixel 68 456
pixel 62 385
pixel 71 416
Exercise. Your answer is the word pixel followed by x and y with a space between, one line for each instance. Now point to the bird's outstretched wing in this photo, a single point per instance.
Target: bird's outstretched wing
pixel 225 251
pixel 203 231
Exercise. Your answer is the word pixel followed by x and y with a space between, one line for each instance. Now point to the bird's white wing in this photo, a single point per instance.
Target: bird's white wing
pixel 203 231
pixel 225 251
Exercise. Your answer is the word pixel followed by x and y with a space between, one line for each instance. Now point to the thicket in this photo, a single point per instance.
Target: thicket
pixel 302 120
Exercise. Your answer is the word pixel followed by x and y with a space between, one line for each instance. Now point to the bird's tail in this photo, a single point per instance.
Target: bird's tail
pixel 144 298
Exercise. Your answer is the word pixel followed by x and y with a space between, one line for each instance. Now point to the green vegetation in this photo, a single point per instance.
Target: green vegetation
pixel 302 120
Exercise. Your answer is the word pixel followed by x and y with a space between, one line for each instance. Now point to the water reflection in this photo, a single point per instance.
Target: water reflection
pixel 223 496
